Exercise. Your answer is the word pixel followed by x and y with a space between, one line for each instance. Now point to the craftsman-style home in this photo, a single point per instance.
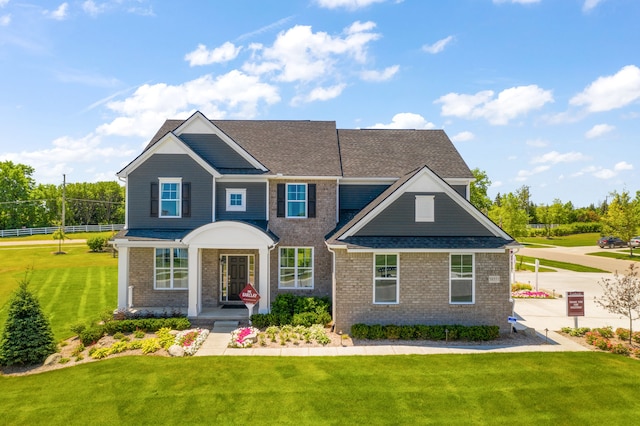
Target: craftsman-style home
pixel 379 220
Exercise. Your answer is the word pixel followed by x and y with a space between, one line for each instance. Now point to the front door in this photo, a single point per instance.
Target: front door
pixel 238 268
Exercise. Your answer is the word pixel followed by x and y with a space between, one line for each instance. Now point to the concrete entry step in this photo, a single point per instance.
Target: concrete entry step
pixel 225 324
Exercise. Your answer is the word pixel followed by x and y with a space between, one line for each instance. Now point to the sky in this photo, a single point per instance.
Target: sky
pixel 536 93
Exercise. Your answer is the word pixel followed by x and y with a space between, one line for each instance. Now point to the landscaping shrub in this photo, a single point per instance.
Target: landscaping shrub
pixel 605 332
pixel 359 331
pixel 149 325
pixel 392 332
pixel 376 332
pixel 27 337
pixel 521 286
pixel 622 333
pixel 425 332
pixel 289 309
pixel 621 349
pixel 306 319
pixel 91 335
pixel 407 332
pixel 97 244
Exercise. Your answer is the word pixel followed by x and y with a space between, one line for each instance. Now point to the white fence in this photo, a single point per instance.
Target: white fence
pixel 52 229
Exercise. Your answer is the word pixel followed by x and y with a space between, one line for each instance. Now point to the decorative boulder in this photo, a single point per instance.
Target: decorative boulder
pixel 253 338
pixel 176 350
pixel 53 359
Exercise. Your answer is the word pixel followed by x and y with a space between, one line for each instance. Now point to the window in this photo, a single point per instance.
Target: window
pixel 170 203
pixel 424 208
pixel 461 288
pixel 296 200
pixel 236 200
pixel 385 279
pixel 296 267
pixel 171 268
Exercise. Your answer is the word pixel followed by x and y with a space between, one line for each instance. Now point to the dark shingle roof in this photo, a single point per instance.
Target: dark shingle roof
pixel 434 243
pixel 392 153
pixel 179 234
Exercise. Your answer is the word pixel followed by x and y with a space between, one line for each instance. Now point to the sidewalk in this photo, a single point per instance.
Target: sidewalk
pixel 218 340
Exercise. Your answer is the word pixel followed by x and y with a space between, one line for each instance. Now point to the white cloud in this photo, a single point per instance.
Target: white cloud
pixel 588 5
pixel 5 20
pixel 3 3
pixel 92 9
pixel 384 75
pixel 233 94
pixel 463 136
pixel 405 120
pixel 602 173
pixel 59 14
pixel 611 92
pixel 509 104
pixel 537 143
pixel 555 157
pixel 524 174
pixel 347 4
pixel 438 46
pixel 320 94
pixel 300 55
pixel 623 165
pixel 598 130
pixel 201 56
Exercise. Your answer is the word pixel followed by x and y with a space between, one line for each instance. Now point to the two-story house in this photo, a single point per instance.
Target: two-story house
pixel 379 220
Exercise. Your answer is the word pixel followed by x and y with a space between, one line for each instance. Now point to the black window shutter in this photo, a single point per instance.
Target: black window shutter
pixel 281 202
pixel 186 199
pixel 154 199
pixel 311 204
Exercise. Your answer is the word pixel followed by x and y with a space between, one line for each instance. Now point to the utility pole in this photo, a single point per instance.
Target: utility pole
pixel 64 196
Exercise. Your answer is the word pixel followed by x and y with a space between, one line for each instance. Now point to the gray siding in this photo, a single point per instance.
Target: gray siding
pixel 460 189
pixel 256 202
pixel 398 220
pixel 215 151
pixel 169 166
pixel 355 197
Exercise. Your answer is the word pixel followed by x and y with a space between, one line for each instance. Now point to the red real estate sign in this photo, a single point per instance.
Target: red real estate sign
pixel 575 303
pixel 249 294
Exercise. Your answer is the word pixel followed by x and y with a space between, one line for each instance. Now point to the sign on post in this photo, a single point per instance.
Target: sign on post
pixel 575 305
pixel 250 297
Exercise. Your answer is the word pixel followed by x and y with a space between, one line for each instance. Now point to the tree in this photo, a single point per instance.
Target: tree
pixel 622 295
pixel 623 216
pixel 59 235
pixel 16 184
pixel 478 190
pixel 510 215
pixel 27 338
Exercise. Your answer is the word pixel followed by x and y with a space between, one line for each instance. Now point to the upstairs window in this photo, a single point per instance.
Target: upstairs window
pixel 296 200
pixel 236 200
pixel 170 198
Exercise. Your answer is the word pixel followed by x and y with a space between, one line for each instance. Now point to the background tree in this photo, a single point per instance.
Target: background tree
pixel 16 183
pixel 479 188
pixel 623 216
pixel 622 295
pixel 27 338
pixel 510 215
pixel 523 195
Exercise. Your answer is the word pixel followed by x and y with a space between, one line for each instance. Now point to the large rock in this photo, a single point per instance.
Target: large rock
pixel 53 359
pixel 176 350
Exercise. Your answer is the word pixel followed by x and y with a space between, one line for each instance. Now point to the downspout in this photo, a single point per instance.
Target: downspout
pixel 333 284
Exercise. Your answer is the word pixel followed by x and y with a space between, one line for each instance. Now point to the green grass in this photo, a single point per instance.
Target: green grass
pixel 556 264
pixel 575 240
pixel 621 254
pixel 71 287
pixel 519 388
pixel 49 237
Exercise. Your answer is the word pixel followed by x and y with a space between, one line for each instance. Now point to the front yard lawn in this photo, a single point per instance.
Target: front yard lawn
pixel 500 388
pixel 554 264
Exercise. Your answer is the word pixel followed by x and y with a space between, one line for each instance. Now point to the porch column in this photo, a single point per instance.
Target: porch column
pixel 123 277
pixel 263 284
pixel 194 293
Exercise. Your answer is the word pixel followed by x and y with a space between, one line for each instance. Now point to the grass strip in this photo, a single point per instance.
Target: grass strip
pixel 557 264
pixel 499 388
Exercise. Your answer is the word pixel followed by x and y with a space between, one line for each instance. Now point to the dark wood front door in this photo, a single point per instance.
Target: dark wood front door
pixel 238 276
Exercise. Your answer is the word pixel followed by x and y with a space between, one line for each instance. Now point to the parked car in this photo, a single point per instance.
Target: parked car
pixel 634 242
pixel 611 242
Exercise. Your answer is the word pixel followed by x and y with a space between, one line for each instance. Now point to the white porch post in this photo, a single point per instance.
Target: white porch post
pixel 263 284
pixel 194 293
pixel 123 277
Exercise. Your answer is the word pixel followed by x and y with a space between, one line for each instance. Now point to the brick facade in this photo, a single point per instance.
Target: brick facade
pixel 141 277
pixel 424 292
pixel 309 232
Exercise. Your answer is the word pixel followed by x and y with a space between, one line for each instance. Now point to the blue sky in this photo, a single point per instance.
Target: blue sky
pixel 543 93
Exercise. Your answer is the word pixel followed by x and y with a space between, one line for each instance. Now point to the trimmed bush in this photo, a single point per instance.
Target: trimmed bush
pixel 97 244
pixel 359 331
pixel 392 332
pixel 91 335
pixel 425 332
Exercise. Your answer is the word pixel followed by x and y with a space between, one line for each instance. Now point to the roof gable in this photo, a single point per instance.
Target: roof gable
pixel 422 180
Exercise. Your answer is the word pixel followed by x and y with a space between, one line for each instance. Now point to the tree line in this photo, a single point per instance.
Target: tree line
pixel 619 215
pixel 23 203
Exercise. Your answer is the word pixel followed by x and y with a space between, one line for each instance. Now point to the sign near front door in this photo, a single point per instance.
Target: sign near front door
pixel 249 295
pixel 575 303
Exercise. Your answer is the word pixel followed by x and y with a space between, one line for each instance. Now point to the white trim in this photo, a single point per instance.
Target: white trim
pixel 159 147
pixel 123 278
pixel 148 244
pixel 243 199
pixel 397 255
pixel 473 278
pixel 178 201
pixel 296 286
pixel 417 183
pixel 171 269
pixel 425 208
pixel 203 125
